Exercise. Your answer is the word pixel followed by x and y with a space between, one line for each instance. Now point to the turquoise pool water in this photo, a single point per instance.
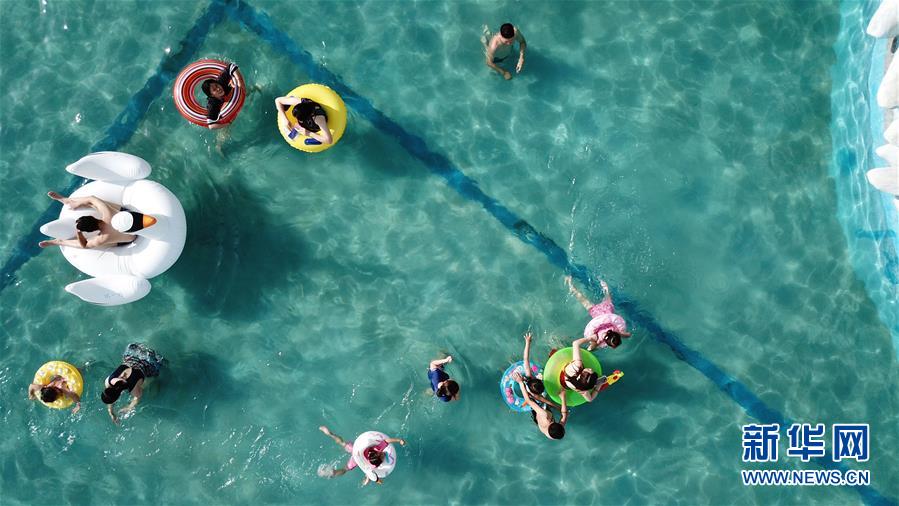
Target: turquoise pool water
pixel 679 150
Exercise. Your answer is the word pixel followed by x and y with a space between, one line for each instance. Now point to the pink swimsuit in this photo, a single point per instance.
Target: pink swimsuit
pixel 604 320
pixel 351 464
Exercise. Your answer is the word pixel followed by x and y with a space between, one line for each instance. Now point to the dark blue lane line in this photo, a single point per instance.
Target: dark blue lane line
pixel 261 23
pixel 121 130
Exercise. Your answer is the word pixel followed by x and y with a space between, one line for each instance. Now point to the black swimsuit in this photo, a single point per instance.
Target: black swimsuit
pixel 214 105
pixel 309 122
pixel 130 381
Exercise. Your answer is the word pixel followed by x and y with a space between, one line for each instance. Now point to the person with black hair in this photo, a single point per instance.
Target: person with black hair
pixel 606 329
pixel 216 91
pixel 307 118
pixel 58 387
pixel 445 388
pixel 375 455
pixel 533 383
pixel 575 376
pixel 139 363
pixel 107 234
pixel 543 416
pixel 498 48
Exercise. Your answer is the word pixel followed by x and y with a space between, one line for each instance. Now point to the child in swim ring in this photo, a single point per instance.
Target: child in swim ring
pixel 58 387
pixel 533 383
pixel 606 329
pixel 375 455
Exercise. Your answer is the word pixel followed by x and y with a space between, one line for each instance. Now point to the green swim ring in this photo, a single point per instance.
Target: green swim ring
pixel 553 370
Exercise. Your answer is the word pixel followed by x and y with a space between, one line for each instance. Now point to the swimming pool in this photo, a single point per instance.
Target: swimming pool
pixel 680 151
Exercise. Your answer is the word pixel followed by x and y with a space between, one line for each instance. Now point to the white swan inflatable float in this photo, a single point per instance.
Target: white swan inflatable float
pixel 120 274
pixel 373 439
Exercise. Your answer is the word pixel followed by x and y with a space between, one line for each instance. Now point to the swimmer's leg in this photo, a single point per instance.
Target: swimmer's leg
pixel 221 136
pixel 337 439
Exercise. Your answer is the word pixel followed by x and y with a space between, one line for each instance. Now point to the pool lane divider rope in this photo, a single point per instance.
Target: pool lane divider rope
pixel 261 23
pixel 121 130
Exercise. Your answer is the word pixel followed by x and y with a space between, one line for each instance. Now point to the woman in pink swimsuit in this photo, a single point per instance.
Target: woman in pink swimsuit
pixel 374 455
pixel 606 329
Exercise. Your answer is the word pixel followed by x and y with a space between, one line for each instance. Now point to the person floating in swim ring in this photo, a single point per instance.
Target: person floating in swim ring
pixel 108 236
pixel 533 383
pixel 307 118
pixel 445 388
pixel 543 416
pixel 575 376
pixel 139 363
pixel 216 91
pixel 58 387
pixel 374 454
pixel 606 329
pixel 498 48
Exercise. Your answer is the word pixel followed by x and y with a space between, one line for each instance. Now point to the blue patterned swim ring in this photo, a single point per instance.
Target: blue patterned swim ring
pixel 509 389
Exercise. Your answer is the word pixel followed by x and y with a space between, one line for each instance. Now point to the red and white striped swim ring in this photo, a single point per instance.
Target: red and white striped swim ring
pixel 193 76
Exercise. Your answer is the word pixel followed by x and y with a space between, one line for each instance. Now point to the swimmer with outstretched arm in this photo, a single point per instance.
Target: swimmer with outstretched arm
pixel 535 385
pixel 543 417
pixel 375 456
pixel 58 387
pixel 579 378
pixel 108 235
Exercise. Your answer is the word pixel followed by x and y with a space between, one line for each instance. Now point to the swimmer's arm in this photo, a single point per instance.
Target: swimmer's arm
pixel 115 419
pixel 75 398
pixel 32 390
pixel 564 418
pixel 527 396
pixel 435 364
pixel 576 348
pixel 135 397
pixel 591 394
pixel 280 104
pixel 545 400
pixel 325 135
pixel 399 440
pixel 214 126
pixel 286 101
pixel 522 45
pixel 489 60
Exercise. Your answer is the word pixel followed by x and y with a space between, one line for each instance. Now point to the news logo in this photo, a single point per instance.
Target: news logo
pixel 849 441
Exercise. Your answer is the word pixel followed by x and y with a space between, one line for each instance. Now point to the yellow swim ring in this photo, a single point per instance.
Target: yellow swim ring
pixel 334 108
pixel 69 372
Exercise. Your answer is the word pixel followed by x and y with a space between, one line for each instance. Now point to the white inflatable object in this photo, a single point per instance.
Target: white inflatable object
pixel 890 153
pixel 885 179
pixel 120 273
pixel 892 133
pixel 111 166
pixel 110 290
pixel 367 440
pixel 888 93
pixel 885 22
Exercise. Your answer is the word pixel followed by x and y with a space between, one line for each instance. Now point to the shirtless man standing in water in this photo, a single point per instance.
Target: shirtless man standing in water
pixel 499 47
